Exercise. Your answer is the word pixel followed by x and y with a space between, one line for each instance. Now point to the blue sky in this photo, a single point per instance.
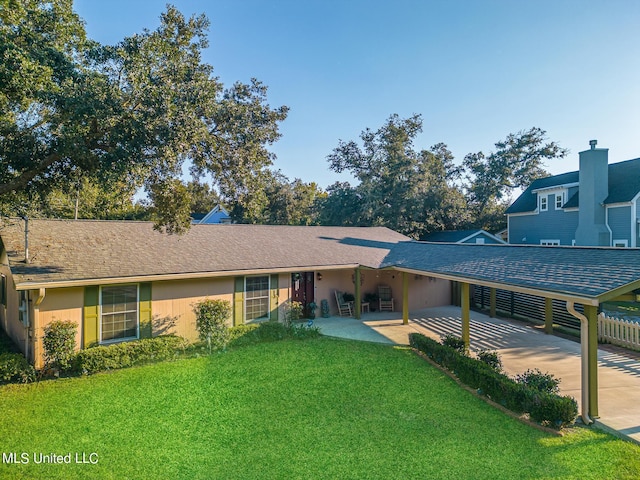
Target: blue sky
pixel 475 70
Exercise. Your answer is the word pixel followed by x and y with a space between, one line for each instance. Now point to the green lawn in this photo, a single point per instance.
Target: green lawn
pixel 320 408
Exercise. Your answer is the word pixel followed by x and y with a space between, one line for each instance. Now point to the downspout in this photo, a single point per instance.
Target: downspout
pixel 36 321
pixel 584 361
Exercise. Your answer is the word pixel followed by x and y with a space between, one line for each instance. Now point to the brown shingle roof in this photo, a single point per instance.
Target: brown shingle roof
pixel 75 250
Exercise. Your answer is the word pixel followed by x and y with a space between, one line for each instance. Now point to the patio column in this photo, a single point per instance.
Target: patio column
pixel 464 303
pixel 492 302
pixel 405 298
pixel 357 304
pixel 548 315
pixel 591 313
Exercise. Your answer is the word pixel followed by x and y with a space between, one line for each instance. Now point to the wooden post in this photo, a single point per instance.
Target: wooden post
pixel 492 302
pixel 548 315
pixel 464 302
pixel 357 303
pixel 405 298
pixel 591 312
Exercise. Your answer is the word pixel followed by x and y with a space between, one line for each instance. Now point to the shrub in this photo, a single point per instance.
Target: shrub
pixel 454 342
pixel 211 322
pixel 59 342
pixel 491 358
pixel 126 354
pixel 14 368
pixel 293 312
pixel 543 407
pixel 542 382
pixel 242 334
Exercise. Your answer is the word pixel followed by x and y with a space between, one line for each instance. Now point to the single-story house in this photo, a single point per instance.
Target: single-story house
pixel 121 280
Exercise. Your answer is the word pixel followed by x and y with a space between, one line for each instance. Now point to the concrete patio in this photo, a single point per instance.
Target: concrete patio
pixel 521 347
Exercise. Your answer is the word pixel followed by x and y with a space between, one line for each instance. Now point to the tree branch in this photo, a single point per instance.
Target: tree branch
pixel 22 180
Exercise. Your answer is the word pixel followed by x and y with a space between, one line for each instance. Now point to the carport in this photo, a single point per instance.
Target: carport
pixel 587 276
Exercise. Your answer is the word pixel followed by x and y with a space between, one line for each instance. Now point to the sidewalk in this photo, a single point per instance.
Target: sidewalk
pixel 521 347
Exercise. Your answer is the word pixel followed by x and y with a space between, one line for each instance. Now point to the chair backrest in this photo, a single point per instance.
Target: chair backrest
pixel 384 292
pixel 339 298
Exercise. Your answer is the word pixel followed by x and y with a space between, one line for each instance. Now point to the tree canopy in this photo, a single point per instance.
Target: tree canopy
pixel 134 112
pixel 418 192
pixel 412 192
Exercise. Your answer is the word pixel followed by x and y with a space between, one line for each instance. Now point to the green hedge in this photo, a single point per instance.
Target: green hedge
pixel 127 354
pixel 545 408
pixel 14 368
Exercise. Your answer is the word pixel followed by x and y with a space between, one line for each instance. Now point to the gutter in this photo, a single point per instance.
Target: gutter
pixel 584 361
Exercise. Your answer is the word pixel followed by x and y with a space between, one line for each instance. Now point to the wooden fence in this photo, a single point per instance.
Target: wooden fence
pixel 619 332
pixel 514 304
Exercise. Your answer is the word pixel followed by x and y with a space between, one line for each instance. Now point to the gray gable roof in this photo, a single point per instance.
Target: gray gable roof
pixel 624 185
pixel 68 250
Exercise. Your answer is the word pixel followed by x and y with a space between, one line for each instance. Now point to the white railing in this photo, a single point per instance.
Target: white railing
pixel 619 332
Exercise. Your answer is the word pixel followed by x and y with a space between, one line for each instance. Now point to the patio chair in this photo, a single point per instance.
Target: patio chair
pixel 385 298
pixel 344 308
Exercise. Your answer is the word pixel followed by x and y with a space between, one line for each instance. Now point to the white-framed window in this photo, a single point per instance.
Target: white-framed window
pixel 621 243
pixel 256 297
pixel 480 241
pixel 559 201
pixel 544 206
pixel 119 313
pixel 550 242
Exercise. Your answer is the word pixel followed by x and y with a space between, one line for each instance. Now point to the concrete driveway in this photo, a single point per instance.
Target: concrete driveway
pixel 521 347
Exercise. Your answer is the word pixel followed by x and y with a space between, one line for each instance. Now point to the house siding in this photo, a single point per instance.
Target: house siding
pixel 619 220
pixel 9 313
pixel 552 224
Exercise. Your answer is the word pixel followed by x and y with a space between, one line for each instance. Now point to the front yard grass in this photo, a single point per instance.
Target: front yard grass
pixel 322 408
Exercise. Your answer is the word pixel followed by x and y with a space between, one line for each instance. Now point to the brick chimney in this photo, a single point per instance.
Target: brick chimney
pixel 592 192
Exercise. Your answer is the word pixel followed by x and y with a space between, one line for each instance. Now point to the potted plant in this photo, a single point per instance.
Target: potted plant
pixel 372 300
pixel 312 309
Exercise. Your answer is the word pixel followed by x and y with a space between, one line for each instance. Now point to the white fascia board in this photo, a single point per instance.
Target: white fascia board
pixel 523 214
pixel 482 232
pixel 551 188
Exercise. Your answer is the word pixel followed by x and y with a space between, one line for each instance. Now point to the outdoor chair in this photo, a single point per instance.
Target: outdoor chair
pixel 344 308
pixel 385 298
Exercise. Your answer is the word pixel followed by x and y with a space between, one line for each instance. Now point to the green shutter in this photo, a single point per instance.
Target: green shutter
pixel 90 321
pixel 275 292
pixel 145 310
pixel 238 301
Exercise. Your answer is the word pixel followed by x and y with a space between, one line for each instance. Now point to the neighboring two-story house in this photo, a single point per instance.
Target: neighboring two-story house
pixel 595 206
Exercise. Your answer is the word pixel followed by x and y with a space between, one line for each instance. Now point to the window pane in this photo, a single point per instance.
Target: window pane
pixel 256 297
pixel 119 317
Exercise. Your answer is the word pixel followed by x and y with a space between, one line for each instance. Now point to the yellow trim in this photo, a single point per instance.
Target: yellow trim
pixel 174 276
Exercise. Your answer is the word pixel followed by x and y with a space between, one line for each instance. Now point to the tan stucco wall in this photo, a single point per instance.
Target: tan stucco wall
pixel 58 304
pixel 423 292
pixel 173 302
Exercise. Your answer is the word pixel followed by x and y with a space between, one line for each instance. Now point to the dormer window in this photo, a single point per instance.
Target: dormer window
pixel 544 203
pixel 559 201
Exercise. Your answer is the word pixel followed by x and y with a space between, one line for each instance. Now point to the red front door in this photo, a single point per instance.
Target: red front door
pixel 302 290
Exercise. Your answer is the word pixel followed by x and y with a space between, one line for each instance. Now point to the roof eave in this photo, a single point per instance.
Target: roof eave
pixel 85 282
